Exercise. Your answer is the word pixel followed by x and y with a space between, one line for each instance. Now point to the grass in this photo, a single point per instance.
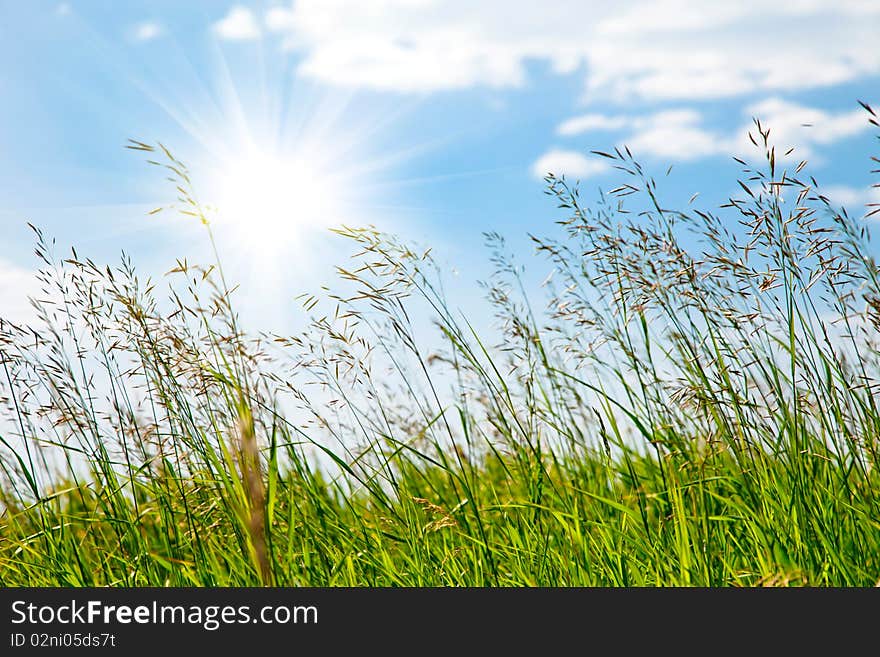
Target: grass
pixel 694 405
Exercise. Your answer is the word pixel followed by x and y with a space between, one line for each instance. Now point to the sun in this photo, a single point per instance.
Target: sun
pixel 273 200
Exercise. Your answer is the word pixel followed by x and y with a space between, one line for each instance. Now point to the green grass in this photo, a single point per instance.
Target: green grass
pixel 693 403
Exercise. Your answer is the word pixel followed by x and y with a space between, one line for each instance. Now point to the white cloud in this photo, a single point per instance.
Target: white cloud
pixel 16 285
pixel 681 134
pixel 671 135
pixel 843 195
pixel 651 49
pixel 795 125
pixel 238 25
pixel 569 163
pixel 850 197
pixel 591 123
pixel 280 19
pixel 147 31
pixel 675 135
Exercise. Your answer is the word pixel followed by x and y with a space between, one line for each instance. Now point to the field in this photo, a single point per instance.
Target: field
pixel 691 403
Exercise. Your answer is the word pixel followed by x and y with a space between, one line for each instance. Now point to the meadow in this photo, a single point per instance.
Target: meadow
pixel 691 402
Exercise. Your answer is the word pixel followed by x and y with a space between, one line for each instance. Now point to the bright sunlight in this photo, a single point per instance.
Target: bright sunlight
pixel 264 198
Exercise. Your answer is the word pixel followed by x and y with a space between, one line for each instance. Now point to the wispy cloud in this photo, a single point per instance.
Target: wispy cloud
pixel 569 163
pixel 851 198
pixel 792 123
pixel 281 19
pixel 147 31
pixel 239 24
pixel 675 135
pixel 16 285
pixel 648 49
pixel 682 134
pixel 591 123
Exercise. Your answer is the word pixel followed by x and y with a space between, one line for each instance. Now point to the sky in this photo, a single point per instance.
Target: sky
pixel 434 120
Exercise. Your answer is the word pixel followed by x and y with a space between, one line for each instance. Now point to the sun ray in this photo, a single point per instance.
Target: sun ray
pixel 279 156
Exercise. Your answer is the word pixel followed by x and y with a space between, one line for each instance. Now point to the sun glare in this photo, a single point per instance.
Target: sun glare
pixel 275 200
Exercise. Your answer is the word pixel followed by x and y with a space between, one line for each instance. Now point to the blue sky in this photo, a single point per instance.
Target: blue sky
pixel 432 119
